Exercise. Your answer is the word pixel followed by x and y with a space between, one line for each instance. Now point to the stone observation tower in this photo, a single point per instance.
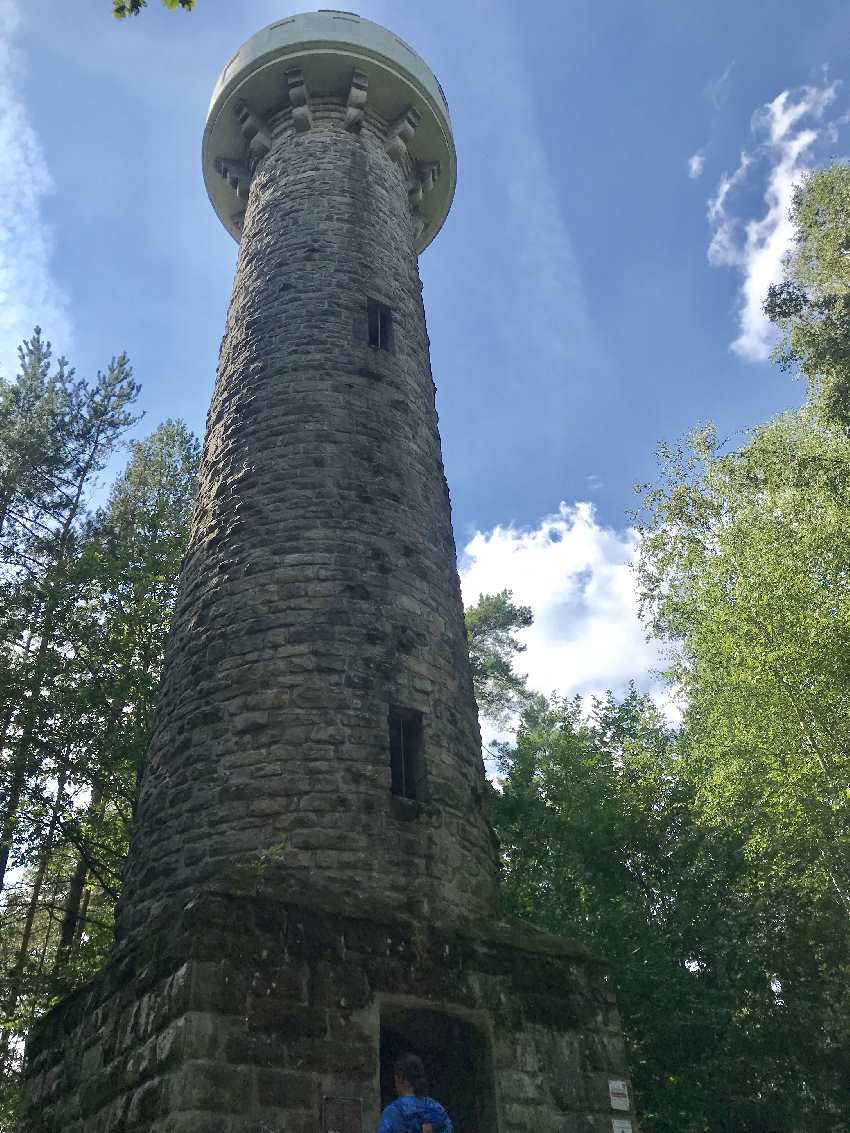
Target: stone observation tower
pixel 313 884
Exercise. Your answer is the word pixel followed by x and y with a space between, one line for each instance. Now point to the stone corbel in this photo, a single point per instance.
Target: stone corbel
pixel 427 173
pixel 236 173
pixel 299 100
pixel 422 181
pixel 414 192
pixel 356 101
pixel 419 223
pixel 255 132
pixel 401 133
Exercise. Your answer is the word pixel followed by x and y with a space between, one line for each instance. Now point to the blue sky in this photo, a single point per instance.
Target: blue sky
pixel 623 184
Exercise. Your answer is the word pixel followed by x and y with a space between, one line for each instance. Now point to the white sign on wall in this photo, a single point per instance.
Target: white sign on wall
pixel 618 1091
pixel 621 1125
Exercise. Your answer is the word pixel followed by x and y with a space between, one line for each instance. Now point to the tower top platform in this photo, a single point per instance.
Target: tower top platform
pixel 328 47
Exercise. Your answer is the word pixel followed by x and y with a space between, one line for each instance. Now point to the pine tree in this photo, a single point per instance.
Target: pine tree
pixel 41 547
pixel 88 603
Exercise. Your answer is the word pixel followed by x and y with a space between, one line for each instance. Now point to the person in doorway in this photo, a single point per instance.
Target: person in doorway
pixel 413 1111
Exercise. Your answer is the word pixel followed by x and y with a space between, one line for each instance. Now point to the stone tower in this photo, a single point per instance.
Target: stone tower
pixel 320 619
pixel 312 885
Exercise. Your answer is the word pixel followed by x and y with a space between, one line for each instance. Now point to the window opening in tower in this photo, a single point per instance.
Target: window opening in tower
pixel 406 767
pixel 380 319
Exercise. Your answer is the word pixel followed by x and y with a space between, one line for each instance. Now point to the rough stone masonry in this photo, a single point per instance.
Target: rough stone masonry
pixel 312 884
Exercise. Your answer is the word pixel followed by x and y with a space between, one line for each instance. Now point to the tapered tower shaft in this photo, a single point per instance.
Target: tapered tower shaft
pixel 319 627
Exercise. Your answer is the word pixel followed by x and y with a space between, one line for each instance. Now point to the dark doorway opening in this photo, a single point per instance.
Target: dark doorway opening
pixel 457 1060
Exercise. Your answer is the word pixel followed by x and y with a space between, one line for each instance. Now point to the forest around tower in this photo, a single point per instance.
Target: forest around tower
pixel 690 824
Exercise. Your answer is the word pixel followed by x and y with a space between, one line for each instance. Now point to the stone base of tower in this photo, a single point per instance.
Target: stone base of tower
pixel 252 1014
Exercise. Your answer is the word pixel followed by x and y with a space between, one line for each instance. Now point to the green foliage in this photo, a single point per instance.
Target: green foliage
pixel 812 304
pixel 123 8
pixel 710 863
pixel 745 569
pixel 731 990
pixel 85 603
pixel 491 628
pixel 42 576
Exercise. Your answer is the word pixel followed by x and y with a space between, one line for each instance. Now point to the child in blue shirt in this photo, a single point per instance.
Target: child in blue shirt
pixel 412 1111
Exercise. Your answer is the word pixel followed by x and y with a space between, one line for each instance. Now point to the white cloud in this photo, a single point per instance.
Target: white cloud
pixel 696 164
pixel 28 293
pixel 788 131
pixel 576 576
pixel 717 89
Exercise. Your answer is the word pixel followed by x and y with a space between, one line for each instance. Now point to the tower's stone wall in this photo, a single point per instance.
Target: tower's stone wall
pixel 244 1014
pixel 320 587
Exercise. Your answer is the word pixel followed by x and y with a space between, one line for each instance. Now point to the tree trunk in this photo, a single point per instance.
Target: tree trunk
pixel 81 920
pixel 71 912
pixel 23 757
pixel 13 989
pixel 71 929
pixel 21 763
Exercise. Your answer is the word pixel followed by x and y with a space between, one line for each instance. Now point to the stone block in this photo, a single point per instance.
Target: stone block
pixel 141 1062
pixel 272 1013
pixel 92 1061
pixel 219 988
pixel 282 1089
pixel 96 1091
pixel 339 985
pixel 214 1087
pixel 255 1048
pixel 171 1045
pixel 146 1103
pixel 344 1057
pixel 204 1122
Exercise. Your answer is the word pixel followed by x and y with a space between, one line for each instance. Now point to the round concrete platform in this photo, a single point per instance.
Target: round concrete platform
pixel 328 47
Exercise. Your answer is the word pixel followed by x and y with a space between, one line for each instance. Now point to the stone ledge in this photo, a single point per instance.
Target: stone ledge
pixel 242 1006
pixel 200 930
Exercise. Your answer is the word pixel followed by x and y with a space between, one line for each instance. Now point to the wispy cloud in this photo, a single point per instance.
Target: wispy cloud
pixel 28 293
pixel 534 249
pixel 717 90
pixel 696 164
pixel 576 575
pixel 788 132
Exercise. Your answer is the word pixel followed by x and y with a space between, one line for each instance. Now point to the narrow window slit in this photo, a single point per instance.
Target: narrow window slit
pixel 380 321
pixel 407 771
